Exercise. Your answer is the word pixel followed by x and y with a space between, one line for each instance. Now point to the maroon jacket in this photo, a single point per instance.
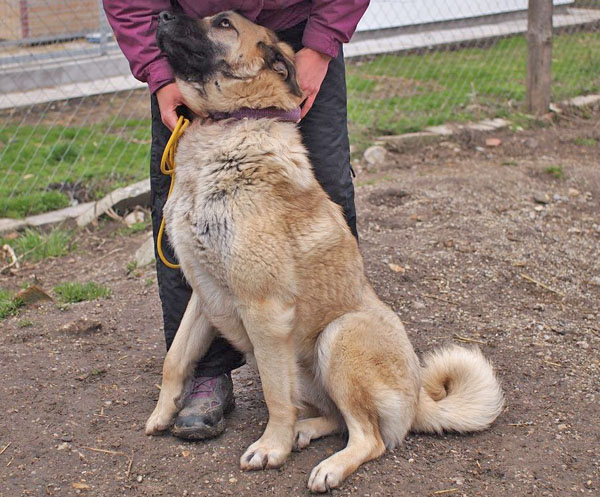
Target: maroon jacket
pixel 329 23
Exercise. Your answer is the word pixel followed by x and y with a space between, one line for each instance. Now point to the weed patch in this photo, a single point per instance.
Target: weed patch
pixel 8 304
pixel 556 171
pixel 35 246
pixel 70 293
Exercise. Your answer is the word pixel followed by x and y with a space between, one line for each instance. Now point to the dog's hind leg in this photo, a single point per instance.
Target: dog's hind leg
pixel 357 360
pixel 191 342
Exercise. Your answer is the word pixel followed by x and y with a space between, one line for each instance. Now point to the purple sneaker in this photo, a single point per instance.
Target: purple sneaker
pixel 208 400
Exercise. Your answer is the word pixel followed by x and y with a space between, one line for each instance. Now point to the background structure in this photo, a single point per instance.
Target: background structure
pixel 74 124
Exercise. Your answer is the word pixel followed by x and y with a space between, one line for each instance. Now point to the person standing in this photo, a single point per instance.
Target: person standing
pixel 316 31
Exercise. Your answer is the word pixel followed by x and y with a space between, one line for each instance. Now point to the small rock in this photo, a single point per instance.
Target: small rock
pixel 134 218
pixel 539 307
pixel 480 149
pixel 140 479
pixel 574 192
pixel 81 326
pixel 418 305
pixel 459 481
pixel 595 281
pixel 541 198
pixel 63 446
pixel 375 155
pixel 232 480
pixel 562 427
pixel 584 345
pixel 145 254
pixel 493 142
pixel 531 143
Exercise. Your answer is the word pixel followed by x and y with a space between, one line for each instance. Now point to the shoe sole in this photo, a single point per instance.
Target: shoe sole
pixel 204 432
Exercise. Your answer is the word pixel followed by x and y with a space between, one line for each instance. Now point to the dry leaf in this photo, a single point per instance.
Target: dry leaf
pixel 396 268
pixel 80 486
pixel 32 294
pixel 493 142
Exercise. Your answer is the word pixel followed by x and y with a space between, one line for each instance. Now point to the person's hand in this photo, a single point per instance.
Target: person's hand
pixel 169 98
pixel 311 68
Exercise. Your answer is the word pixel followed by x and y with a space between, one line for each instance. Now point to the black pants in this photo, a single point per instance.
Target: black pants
pixel 325 134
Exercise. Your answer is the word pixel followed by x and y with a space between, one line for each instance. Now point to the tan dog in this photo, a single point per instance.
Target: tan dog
pixel 275 269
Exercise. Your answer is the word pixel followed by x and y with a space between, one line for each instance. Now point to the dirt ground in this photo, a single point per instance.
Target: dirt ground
pixel 475 258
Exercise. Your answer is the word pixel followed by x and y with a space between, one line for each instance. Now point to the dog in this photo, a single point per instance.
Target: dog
pixel 275 269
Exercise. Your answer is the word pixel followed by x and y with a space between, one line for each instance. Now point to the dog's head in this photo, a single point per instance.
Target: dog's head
pixel 225 62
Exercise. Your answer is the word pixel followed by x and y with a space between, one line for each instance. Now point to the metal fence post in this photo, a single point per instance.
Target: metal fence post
pixel 539 59
pixel 102 28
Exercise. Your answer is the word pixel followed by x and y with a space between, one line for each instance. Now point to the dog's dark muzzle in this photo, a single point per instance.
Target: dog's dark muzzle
pixel 193 57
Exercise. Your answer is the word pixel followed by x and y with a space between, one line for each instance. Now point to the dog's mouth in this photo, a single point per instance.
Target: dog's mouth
pixel 192 56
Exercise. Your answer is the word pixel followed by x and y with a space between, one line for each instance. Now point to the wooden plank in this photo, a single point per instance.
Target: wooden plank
pixel 539 60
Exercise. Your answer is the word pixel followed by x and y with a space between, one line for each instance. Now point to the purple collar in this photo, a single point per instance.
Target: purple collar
pixel 268 113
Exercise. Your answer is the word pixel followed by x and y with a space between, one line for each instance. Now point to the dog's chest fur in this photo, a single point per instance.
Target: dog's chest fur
pixel 225 176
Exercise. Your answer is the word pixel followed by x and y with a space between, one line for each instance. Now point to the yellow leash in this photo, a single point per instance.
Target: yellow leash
pixel 167 167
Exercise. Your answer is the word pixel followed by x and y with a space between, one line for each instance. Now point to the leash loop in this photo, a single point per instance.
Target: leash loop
pixel 167 167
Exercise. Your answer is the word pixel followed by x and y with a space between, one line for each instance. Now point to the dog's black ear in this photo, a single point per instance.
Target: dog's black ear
pixel 278 62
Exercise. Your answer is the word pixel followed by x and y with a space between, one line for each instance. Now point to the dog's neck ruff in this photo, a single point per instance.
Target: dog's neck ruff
pixel 268 113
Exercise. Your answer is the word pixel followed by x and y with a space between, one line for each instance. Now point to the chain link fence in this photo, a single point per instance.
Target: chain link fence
pixel 74 124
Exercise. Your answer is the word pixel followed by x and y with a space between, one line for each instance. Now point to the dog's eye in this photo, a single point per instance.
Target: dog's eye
pixel 224 23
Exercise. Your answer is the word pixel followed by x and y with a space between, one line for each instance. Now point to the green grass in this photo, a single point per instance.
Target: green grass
pixel 8 304
pixel 134 228
pixel 392 94
pixel 45 161
pixel 70 293
pixel 585 142
pixel 34 246
pixel 556 171
pixel 387 94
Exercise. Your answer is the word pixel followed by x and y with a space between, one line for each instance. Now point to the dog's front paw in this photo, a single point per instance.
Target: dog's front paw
pixel 325 476
pixel 261 455
pixel 159 420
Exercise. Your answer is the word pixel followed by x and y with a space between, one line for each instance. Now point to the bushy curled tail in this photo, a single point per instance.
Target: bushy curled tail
pixel 459 392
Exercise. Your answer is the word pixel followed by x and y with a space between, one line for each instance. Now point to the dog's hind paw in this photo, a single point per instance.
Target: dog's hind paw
pixel 306 430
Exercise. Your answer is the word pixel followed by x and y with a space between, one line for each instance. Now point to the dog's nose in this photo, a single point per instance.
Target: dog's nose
pixel 165 16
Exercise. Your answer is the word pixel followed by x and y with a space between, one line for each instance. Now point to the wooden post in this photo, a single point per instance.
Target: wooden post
pixel 539 60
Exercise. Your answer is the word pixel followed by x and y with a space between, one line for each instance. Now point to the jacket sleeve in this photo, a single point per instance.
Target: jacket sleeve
pixel 331 23
pixel 134 24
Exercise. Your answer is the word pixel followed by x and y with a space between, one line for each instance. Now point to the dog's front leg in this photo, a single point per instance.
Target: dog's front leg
pixel 191 342
pixel 269 326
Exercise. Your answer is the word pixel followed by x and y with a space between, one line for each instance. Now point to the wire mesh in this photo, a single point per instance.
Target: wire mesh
pixel 74 124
